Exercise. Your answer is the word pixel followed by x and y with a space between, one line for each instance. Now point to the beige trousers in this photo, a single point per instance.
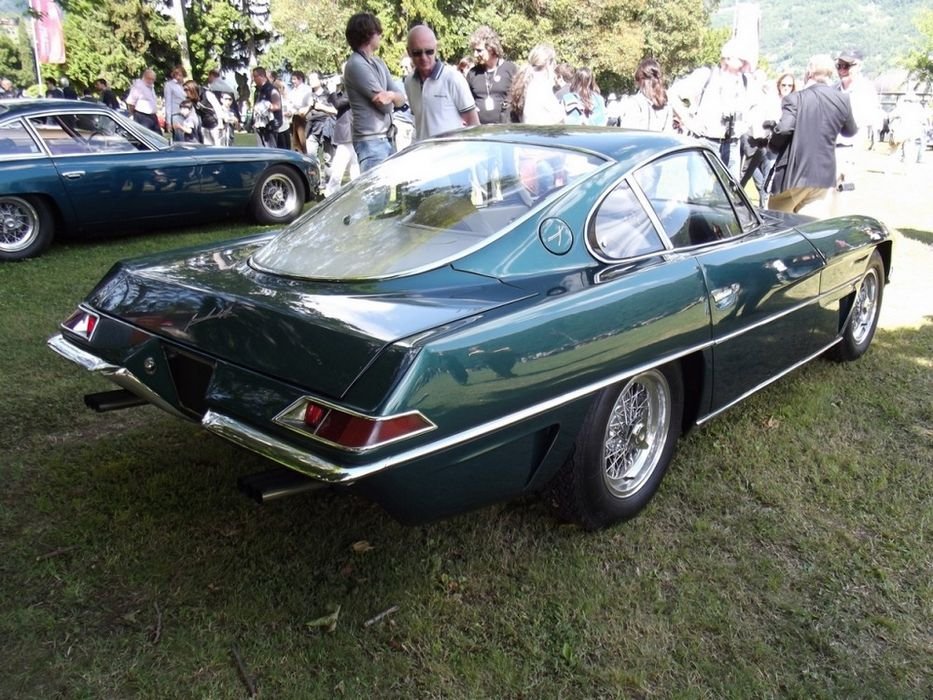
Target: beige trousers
pixel 810 201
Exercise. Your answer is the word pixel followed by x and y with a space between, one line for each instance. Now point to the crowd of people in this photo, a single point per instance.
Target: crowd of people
pixel 795 138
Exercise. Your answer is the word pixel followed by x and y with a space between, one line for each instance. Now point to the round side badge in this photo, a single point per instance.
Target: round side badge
pixel 556 236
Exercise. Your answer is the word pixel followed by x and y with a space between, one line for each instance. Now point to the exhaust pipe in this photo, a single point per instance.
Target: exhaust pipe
pixel 113 400
pixel 276 483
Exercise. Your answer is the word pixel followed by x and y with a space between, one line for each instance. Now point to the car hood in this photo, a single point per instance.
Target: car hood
pixel 320 336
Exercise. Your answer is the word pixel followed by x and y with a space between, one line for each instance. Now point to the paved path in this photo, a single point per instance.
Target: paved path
pixel 901 196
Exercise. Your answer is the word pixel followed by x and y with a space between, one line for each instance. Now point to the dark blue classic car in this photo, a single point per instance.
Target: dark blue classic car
pixel 497 312
pixel 78 168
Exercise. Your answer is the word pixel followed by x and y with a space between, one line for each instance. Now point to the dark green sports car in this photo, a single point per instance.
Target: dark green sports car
pixel 74 168
pixel 497 312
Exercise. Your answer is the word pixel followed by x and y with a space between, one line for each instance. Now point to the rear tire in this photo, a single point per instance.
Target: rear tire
pixel 623 450
pixel 863 317
pixel 278 197
pixel 26 227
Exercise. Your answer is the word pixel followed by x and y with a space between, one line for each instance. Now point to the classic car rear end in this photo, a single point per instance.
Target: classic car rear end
pixel 486 316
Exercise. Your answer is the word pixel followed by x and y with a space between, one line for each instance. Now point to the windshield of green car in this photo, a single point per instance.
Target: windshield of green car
pixel 425 207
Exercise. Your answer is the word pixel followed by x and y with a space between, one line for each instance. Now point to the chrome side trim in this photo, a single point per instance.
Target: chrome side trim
pixel 288 455
pixel 850 286
pixel 16 157
pixel 770 380
pixel 120 376
pixel 300 460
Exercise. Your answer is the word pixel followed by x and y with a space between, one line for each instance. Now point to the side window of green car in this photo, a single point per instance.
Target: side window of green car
pixel 15 141
pixel 80 134
pixel 689 199
pixel 621 229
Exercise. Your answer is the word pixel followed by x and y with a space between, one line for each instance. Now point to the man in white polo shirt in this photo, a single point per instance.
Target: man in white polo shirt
pixel 438 95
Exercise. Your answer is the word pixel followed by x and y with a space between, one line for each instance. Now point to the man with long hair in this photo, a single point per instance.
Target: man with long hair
pixel 372 91
pixel 490 79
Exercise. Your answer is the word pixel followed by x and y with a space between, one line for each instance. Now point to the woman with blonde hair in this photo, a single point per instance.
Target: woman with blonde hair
pixel 583 104
pixel 532 96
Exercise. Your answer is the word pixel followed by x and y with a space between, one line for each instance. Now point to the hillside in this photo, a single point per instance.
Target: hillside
pixel 794 30
pixel 13 7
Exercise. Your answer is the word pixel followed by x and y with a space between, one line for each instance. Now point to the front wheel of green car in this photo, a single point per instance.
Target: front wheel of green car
pixel 26 227
pixel 623 450
pixel 863 316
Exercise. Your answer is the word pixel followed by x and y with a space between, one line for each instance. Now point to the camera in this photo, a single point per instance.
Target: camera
pixel 728 121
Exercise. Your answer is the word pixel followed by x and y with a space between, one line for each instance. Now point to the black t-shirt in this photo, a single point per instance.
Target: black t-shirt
pixel 490 89
pixel 265 93
pixel 109 99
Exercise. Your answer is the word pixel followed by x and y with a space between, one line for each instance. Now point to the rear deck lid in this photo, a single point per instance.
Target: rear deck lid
pixel 318 335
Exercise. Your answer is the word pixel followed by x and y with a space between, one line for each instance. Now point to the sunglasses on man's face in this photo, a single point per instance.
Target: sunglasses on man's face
pixel 842 65
pixel 418 53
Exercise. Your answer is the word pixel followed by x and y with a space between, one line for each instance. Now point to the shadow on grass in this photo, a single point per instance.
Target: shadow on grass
pixel 134 563
pixel 918 235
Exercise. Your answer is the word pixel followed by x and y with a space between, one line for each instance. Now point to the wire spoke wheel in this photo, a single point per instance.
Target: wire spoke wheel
pixel 636 433
pixel 19 224
pixel 279 195
pixel 866 307
pixel 624 447
pixel 861 318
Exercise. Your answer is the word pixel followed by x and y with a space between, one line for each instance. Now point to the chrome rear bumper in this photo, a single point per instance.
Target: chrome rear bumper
pixel 228 428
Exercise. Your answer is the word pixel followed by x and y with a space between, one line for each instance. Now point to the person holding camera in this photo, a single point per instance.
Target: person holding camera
pixel 715 103
pixel 805 140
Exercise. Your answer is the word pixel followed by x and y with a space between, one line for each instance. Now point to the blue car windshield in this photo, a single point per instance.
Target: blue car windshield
pixel 427 206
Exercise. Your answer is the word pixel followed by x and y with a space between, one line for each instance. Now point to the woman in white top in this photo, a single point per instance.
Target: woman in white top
pixel 283 138
pixel 532 95
pixel 648 109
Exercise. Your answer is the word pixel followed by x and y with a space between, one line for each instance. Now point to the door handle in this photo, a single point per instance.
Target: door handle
pixel 726 297
pixel 73 174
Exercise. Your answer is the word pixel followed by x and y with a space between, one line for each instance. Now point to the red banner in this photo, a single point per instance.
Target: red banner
pixel 50 39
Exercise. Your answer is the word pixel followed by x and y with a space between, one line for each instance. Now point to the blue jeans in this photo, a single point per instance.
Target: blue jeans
pixel 728 151
pixel 372 152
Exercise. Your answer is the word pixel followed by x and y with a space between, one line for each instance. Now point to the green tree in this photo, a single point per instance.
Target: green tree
pixel 17 61
pixel 609 36
pixel 113 39
pixel 118 39
pixel 220 34
pixel 309 35
pixel 9 59
pixel 919 60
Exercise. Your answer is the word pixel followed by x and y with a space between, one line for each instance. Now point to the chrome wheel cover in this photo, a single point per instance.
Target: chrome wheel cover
pixel 19 224
pixel 636 433
pixel 279 195
pixel 866 306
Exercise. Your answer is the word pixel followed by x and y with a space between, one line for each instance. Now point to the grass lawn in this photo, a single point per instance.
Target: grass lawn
pixel 787 554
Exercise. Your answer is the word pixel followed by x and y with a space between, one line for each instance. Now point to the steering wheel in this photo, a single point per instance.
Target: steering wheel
pixel 102 142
